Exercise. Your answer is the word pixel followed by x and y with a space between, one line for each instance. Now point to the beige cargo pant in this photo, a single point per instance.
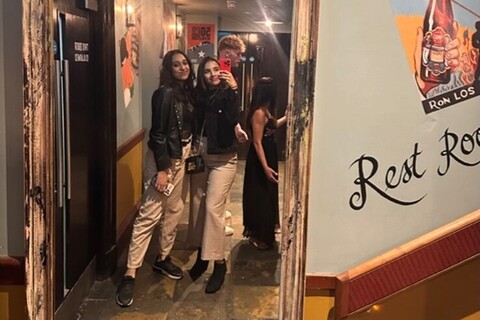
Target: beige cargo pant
pixel 209 192
pixel 157 208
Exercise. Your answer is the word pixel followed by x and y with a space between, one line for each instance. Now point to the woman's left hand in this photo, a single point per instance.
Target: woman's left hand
pixel 272 175
pixel 228 78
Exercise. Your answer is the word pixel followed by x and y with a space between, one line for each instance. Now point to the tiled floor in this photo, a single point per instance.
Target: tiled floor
pixel 250 290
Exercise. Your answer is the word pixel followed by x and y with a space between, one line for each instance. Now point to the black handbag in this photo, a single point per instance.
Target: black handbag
pixel 194 163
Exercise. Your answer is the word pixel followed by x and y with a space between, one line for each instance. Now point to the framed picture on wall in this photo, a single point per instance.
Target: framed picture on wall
pixel 200 41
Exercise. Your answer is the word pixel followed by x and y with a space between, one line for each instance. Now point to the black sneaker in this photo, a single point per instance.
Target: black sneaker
pixel 125 291
pixel 168 268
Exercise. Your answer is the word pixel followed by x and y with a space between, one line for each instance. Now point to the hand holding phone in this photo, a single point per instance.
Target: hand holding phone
pixel 168 189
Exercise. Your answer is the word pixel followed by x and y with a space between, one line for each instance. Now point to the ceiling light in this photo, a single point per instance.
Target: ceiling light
pixel 231 4
pixel 269 22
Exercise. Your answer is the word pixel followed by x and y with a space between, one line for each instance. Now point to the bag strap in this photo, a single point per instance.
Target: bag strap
pixel 200 140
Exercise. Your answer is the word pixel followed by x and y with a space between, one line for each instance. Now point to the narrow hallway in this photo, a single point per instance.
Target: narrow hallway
pixel 250 290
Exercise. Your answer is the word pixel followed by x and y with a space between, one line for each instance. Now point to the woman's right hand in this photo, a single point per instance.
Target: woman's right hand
pixel 228 78
pixel 272 175
pixel 161 181
pixel 241 135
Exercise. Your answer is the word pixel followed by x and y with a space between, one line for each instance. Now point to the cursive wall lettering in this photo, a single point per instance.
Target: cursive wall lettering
pixel 463 150
pixel 392 179
pixel 454 150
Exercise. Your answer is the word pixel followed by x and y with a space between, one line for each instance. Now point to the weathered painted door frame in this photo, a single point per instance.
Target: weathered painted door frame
pixel 39 157
pixel 298 155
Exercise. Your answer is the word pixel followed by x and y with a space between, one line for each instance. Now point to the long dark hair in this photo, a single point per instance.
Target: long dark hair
pixel 167 78
pixel 264 96
pixel 202 88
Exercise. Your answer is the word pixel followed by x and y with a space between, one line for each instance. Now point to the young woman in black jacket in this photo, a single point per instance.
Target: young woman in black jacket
pixel 217 108
pixel 166 190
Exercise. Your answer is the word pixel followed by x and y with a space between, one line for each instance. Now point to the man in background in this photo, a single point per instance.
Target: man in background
pixel 232 47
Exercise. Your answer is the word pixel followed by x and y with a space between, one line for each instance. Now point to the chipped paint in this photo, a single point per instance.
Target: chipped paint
pixel 38 154
pixel 298 156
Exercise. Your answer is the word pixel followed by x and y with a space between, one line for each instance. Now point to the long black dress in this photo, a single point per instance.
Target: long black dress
pixel 260 195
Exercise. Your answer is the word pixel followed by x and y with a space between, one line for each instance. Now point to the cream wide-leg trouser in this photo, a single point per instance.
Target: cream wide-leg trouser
pixel 158 208
pixel 208 195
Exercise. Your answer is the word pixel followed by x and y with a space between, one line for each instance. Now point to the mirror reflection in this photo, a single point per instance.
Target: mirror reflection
pixel 216 257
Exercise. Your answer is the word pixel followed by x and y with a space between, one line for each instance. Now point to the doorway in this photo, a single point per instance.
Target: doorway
pixel 39 138
pixel 74 101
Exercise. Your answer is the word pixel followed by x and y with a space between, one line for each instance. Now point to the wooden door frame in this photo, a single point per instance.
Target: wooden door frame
pixel 298 156
pixel 39 205
pixel 37 21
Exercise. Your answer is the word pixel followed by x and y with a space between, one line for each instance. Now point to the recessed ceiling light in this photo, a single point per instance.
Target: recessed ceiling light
pixel 269 23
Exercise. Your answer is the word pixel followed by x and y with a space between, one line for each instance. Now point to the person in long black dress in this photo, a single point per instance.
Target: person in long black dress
pixel 260 186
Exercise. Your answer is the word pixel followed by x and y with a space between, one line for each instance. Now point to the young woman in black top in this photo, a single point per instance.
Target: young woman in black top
pixel 168 146
pixel 217 107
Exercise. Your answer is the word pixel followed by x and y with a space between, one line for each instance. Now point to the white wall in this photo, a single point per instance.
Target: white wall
pixel 367 103
pixel 152 50
pixel 152 44
pixel 129 118
pixel 11 135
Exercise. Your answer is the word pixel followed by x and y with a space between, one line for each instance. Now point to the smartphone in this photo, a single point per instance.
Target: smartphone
pixel 168 190
pixel 225 64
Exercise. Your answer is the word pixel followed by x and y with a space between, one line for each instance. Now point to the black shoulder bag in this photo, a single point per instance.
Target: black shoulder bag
pixel 194 163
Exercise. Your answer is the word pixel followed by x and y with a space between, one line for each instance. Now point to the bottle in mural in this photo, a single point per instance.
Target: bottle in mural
pixel 438 30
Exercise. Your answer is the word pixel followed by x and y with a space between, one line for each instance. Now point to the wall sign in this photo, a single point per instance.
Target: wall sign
pixel 200 41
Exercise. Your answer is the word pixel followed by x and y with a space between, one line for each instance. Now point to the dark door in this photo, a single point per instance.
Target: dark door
pixel 74 104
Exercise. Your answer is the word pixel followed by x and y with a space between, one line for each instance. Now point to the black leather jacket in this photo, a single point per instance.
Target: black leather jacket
pixel 221 110
pixel 167 121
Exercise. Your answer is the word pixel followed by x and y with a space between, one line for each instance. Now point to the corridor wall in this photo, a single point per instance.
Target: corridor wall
pixel 145 29
pixel 386 169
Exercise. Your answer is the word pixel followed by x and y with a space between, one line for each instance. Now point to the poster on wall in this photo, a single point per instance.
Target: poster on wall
pixel 129 51
pixel 441 39
pixel 168 28
pixel 200 41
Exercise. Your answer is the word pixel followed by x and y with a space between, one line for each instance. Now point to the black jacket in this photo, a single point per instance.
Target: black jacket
pixel 221 110
pixel 167 121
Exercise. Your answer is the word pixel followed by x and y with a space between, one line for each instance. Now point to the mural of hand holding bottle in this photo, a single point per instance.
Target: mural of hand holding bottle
pixel 437 46
pixel 476 44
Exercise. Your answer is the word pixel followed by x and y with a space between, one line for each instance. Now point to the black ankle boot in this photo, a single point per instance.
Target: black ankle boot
pixel 199 267
pixel 218 276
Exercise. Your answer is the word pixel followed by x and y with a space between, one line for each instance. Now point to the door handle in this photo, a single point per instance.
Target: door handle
pixel 66 74
pixel 59 135
pixel 243 107
pixel 252 82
